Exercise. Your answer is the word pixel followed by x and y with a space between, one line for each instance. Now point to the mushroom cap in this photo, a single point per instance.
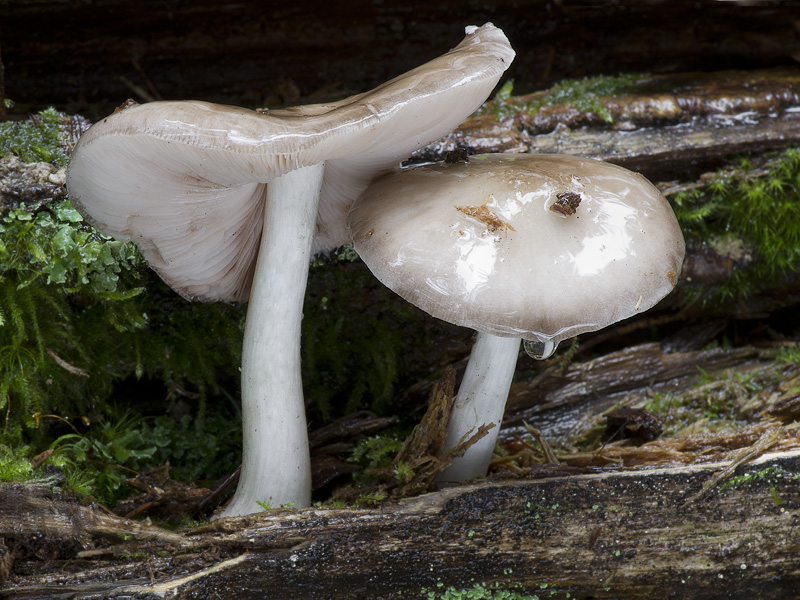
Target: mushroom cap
pixel 186 180
pixel 478 245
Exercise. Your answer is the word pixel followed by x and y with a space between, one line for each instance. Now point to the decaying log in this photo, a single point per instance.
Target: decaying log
pixel 32 512
pixel 558 398
pixel 673 118
pixel 680 517
pixel 684 517
pixel 642 533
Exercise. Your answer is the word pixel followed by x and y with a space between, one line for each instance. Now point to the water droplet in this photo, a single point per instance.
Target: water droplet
pixel 540 348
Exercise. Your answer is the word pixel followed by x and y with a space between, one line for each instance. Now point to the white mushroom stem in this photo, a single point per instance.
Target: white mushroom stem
pixel 275 458
pixel 481 400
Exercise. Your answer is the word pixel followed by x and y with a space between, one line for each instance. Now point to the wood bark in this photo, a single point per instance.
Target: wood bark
pixel 91 56
pixel 645 533
pixel 674 120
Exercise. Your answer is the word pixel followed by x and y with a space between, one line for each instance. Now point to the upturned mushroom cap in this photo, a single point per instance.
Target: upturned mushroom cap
pixel 479 245
pixel 186 180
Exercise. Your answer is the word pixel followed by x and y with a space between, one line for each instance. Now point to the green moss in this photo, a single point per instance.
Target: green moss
pixel 74 319
pixel 790 355
pixel 376 451
pixel 267 507
pixel 403 473
pixel 712 405
pixel 586 95
pixel 39 139
pixel 751 216
pixel 14 463
pixel 354 333
pixel 53 272
pixel 476 592
pixel 496 591
pixel 80 313
pixel 768 474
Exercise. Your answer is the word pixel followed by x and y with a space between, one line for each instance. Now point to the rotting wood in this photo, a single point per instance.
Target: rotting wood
pixel 678 98
pixel 29 511
pixel 698 116
pixel 556 398
pixel 616 522
pixel 619 534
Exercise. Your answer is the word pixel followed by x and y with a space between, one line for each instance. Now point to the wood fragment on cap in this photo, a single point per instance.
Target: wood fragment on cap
pixel 567 203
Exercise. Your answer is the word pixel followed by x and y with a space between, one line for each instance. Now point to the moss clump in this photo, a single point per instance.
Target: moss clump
pixel 768 475
pixel 789 355
pixel 39 139
pixel 585 95
pixel 374 455
pixel 54 271
pixel 56 274
pixel 481 592
pixel 354 335
pixel 751 214
pixel 14 463
pixel 80 313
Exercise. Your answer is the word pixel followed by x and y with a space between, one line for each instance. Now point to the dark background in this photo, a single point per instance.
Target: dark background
pixel 89 56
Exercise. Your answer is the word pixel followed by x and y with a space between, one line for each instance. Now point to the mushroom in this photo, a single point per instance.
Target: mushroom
pixel 538 247
pixel 205 189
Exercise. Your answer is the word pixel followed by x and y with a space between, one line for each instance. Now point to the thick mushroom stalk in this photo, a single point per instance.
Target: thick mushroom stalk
pixel 534 247
pixel 275 456
pixel 197 185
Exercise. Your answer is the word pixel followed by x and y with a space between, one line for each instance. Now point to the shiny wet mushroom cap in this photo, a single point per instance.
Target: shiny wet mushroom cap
pixel 480 244
pixel 538 247
pixel 186 180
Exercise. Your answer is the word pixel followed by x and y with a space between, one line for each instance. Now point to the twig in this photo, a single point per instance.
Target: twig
pixel 138 90
pixel 549 455
pixel 766 441
pixel 150 85
pixel 67 366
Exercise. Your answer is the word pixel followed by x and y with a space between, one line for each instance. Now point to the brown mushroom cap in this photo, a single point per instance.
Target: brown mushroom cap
pixel 186 180
pixel 479 245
